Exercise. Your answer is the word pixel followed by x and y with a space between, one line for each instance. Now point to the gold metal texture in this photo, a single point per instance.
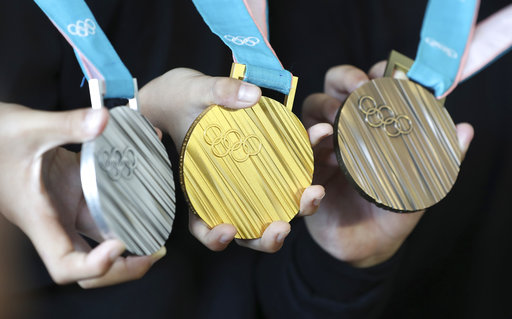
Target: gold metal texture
pixel 246 167
pixel 397 144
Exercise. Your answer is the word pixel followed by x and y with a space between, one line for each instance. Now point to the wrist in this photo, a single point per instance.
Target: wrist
pixel 351 248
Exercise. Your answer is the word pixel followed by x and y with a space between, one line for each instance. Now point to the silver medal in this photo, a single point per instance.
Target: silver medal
pixel 128 183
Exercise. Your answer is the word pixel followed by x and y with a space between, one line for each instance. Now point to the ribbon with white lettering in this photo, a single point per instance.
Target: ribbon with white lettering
pixel 451 49
pixel 94 52
pixel 244 32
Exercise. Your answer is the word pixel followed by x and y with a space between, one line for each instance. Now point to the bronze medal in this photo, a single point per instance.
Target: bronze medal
pixel 397 144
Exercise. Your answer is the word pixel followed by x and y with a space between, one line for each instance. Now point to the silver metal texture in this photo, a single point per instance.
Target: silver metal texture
pixel 128 182
pixel 397 144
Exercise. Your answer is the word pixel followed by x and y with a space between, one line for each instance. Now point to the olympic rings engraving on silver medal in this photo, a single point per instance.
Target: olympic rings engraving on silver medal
pixel 82 28
pixel 231 143
pixel 241 40
pixel 118 164
pixel 384 116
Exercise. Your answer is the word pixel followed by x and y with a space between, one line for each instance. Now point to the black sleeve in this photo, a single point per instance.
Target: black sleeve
pixel 304 281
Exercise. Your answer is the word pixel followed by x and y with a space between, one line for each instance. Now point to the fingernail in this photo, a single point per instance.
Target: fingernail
pixel 463 143
pixel 116 251
pixel 93 121
pixel 224 239
pixel 159 255
pixel 248 93
pixel 317 201
pixel 280 237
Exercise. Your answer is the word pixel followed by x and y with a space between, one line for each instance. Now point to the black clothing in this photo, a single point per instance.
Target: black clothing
pixel 455 264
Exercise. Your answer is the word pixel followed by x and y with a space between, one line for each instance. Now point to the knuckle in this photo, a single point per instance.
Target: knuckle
pixel 101 268
pixel 224 90
pixel 338 70
pixel 72 123
pixel 139 273
pixel 58 276
pixel 216 247
pixel 86 284
pixel 334 70
pixel 273 248
pixel 356 75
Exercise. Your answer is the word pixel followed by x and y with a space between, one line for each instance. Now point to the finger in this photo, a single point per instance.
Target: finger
pixel 159 133
pixel 341 80
pixel 85 223
pixel 227 92
pixel 125 269
pixel 319 108
pixel 272 239
pixel 465 134
pixel 188 93
pixel 51 129
pixel 216 238
pixel 182 86
pixel 58 253
pixel 377 70
pixel 310 200
pixel 324 153
pixel 318 132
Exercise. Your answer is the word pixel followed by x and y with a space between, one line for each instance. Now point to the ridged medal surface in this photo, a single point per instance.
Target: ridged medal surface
pixel 397 144
pixel 128 182
pixel 246 167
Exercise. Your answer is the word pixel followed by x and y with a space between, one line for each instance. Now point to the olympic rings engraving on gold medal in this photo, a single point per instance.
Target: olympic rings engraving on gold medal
pixel 384 116
pixel 231 143
pixel 118 164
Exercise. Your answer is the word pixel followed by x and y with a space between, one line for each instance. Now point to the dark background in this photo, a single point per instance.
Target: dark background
pixel 456 263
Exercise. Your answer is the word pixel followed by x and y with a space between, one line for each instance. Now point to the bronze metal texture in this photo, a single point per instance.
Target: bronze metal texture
pixel 397 144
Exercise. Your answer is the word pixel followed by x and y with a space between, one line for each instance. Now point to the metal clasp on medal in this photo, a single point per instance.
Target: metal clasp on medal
pixel 97 91
pixel 397 67
pixel 238 72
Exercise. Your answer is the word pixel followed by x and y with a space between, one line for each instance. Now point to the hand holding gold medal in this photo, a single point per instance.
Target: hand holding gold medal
pixel 258 163
pixel 248 168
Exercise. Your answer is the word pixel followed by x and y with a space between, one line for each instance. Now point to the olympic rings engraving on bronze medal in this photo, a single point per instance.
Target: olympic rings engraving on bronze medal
pixel 231 143
pixel 118 164
pixel 241 40
pixel 384 116
pixel 82 28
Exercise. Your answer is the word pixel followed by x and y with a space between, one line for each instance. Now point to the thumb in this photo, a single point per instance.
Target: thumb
pixel 224 91
pixel 52 129
pixel 465 133
pixel 189 87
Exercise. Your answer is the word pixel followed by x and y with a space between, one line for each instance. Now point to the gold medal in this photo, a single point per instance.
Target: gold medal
pixel 397 143
pixel 246 167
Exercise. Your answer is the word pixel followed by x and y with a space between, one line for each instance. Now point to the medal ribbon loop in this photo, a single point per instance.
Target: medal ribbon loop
pixel 245 34
pixel 94 52
pixel 449 48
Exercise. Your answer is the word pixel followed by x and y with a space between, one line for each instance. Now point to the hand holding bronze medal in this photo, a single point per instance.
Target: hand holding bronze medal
pixel 397 144
pixel 246 167
pixel 394 140
pixel 126 176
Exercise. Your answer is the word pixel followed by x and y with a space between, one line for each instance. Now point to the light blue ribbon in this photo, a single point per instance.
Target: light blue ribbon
pixel 444 36
pixel 231 21
pixel 96 56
